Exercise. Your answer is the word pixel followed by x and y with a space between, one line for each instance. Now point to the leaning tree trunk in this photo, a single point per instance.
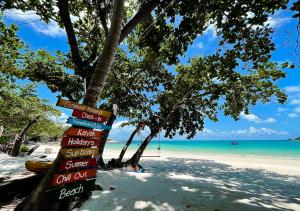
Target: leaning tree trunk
pixel 19 137
pixel 127 144
pixel 104 65
pixel 100 161
pixel 37 200
pixel 137 155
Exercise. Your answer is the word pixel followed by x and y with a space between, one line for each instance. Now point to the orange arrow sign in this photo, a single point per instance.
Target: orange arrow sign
pixel 73 105
pixel 88 133
pixel 78 152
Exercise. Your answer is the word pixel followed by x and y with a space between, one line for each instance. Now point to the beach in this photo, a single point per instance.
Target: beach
pixel 189 181
pixel 201 182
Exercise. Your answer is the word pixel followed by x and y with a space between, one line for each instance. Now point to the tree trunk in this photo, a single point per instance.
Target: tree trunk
pixel 137 155
pixel 19 137
pixel 127 144
pixel 104 65
pixel 37 199
pixel 100 161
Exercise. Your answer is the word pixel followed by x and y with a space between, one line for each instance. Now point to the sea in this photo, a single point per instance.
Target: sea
pixel 270 148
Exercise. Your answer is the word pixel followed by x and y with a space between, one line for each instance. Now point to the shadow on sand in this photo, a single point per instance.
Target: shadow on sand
pixel 187 184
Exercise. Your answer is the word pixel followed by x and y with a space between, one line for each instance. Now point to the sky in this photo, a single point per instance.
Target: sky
pixel 265 121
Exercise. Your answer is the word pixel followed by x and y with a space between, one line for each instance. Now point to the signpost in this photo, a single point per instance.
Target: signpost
pixel 77 106
pixel 73 176
pixel 70 190
pixel 89 116
pixel 78 152
pixel 80 132
pixel 87 124
pixel 71 141
pixel 75 164
pixel 61 179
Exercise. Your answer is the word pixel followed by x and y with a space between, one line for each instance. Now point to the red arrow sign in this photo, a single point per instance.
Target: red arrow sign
pixel 61 179
pixel 88 116
pixel 70 141
pixel 83 133
pixel 72 164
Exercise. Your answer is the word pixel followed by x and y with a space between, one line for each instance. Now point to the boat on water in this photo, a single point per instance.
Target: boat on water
pixel 234 143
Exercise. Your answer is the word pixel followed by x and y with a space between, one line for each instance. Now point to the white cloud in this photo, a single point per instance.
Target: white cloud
pixel 297 109
pixel 250 117
pixel 293 115
pixel 122 133
pixel 258 131
pixel 292 88
pixel 60 119
pixel 295 102
pixel 256 119
pixel 118 124
pixel 280 109
pixel 31 19
pixel 199 45
pixel 206 131
pixel 211 30
pixel 274 22
pixel 269 120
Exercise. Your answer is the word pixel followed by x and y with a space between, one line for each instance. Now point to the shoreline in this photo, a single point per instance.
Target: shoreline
pixel 281 165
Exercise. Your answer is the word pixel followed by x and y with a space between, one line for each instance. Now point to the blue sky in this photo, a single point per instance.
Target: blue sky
pixel 266 121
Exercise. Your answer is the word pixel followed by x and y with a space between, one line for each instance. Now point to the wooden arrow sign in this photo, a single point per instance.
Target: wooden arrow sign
pixel 83 133
pixel 88 124
pixel 61 179
pixel 88 116
pixel 70 141
pixel 70 190
pixel 79 152
pixel 73 105
pixel 71 164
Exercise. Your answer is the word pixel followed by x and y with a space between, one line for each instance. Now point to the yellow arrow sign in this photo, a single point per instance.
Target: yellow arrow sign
pixel 78 152
pixel 73 105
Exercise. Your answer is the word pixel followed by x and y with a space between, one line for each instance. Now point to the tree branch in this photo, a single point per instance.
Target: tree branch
pixel 141 14
pixel 64 13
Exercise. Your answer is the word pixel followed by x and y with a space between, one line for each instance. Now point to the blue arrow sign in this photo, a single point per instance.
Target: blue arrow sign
pixel 88 124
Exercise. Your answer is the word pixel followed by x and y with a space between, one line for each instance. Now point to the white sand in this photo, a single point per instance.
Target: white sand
pixel 181 181
pixel 200 182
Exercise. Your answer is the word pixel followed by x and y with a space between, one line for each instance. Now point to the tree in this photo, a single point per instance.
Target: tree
pixel 159 29
pixel 122 153
pixel 20 136
pixel 117 162
pixel 20 107
pixel 205 87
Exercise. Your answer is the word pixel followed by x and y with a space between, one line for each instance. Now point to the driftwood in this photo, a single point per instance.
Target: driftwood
pixel 18 188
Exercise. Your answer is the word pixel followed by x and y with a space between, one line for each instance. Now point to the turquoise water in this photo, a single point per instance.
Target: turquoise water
pixel 272 148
